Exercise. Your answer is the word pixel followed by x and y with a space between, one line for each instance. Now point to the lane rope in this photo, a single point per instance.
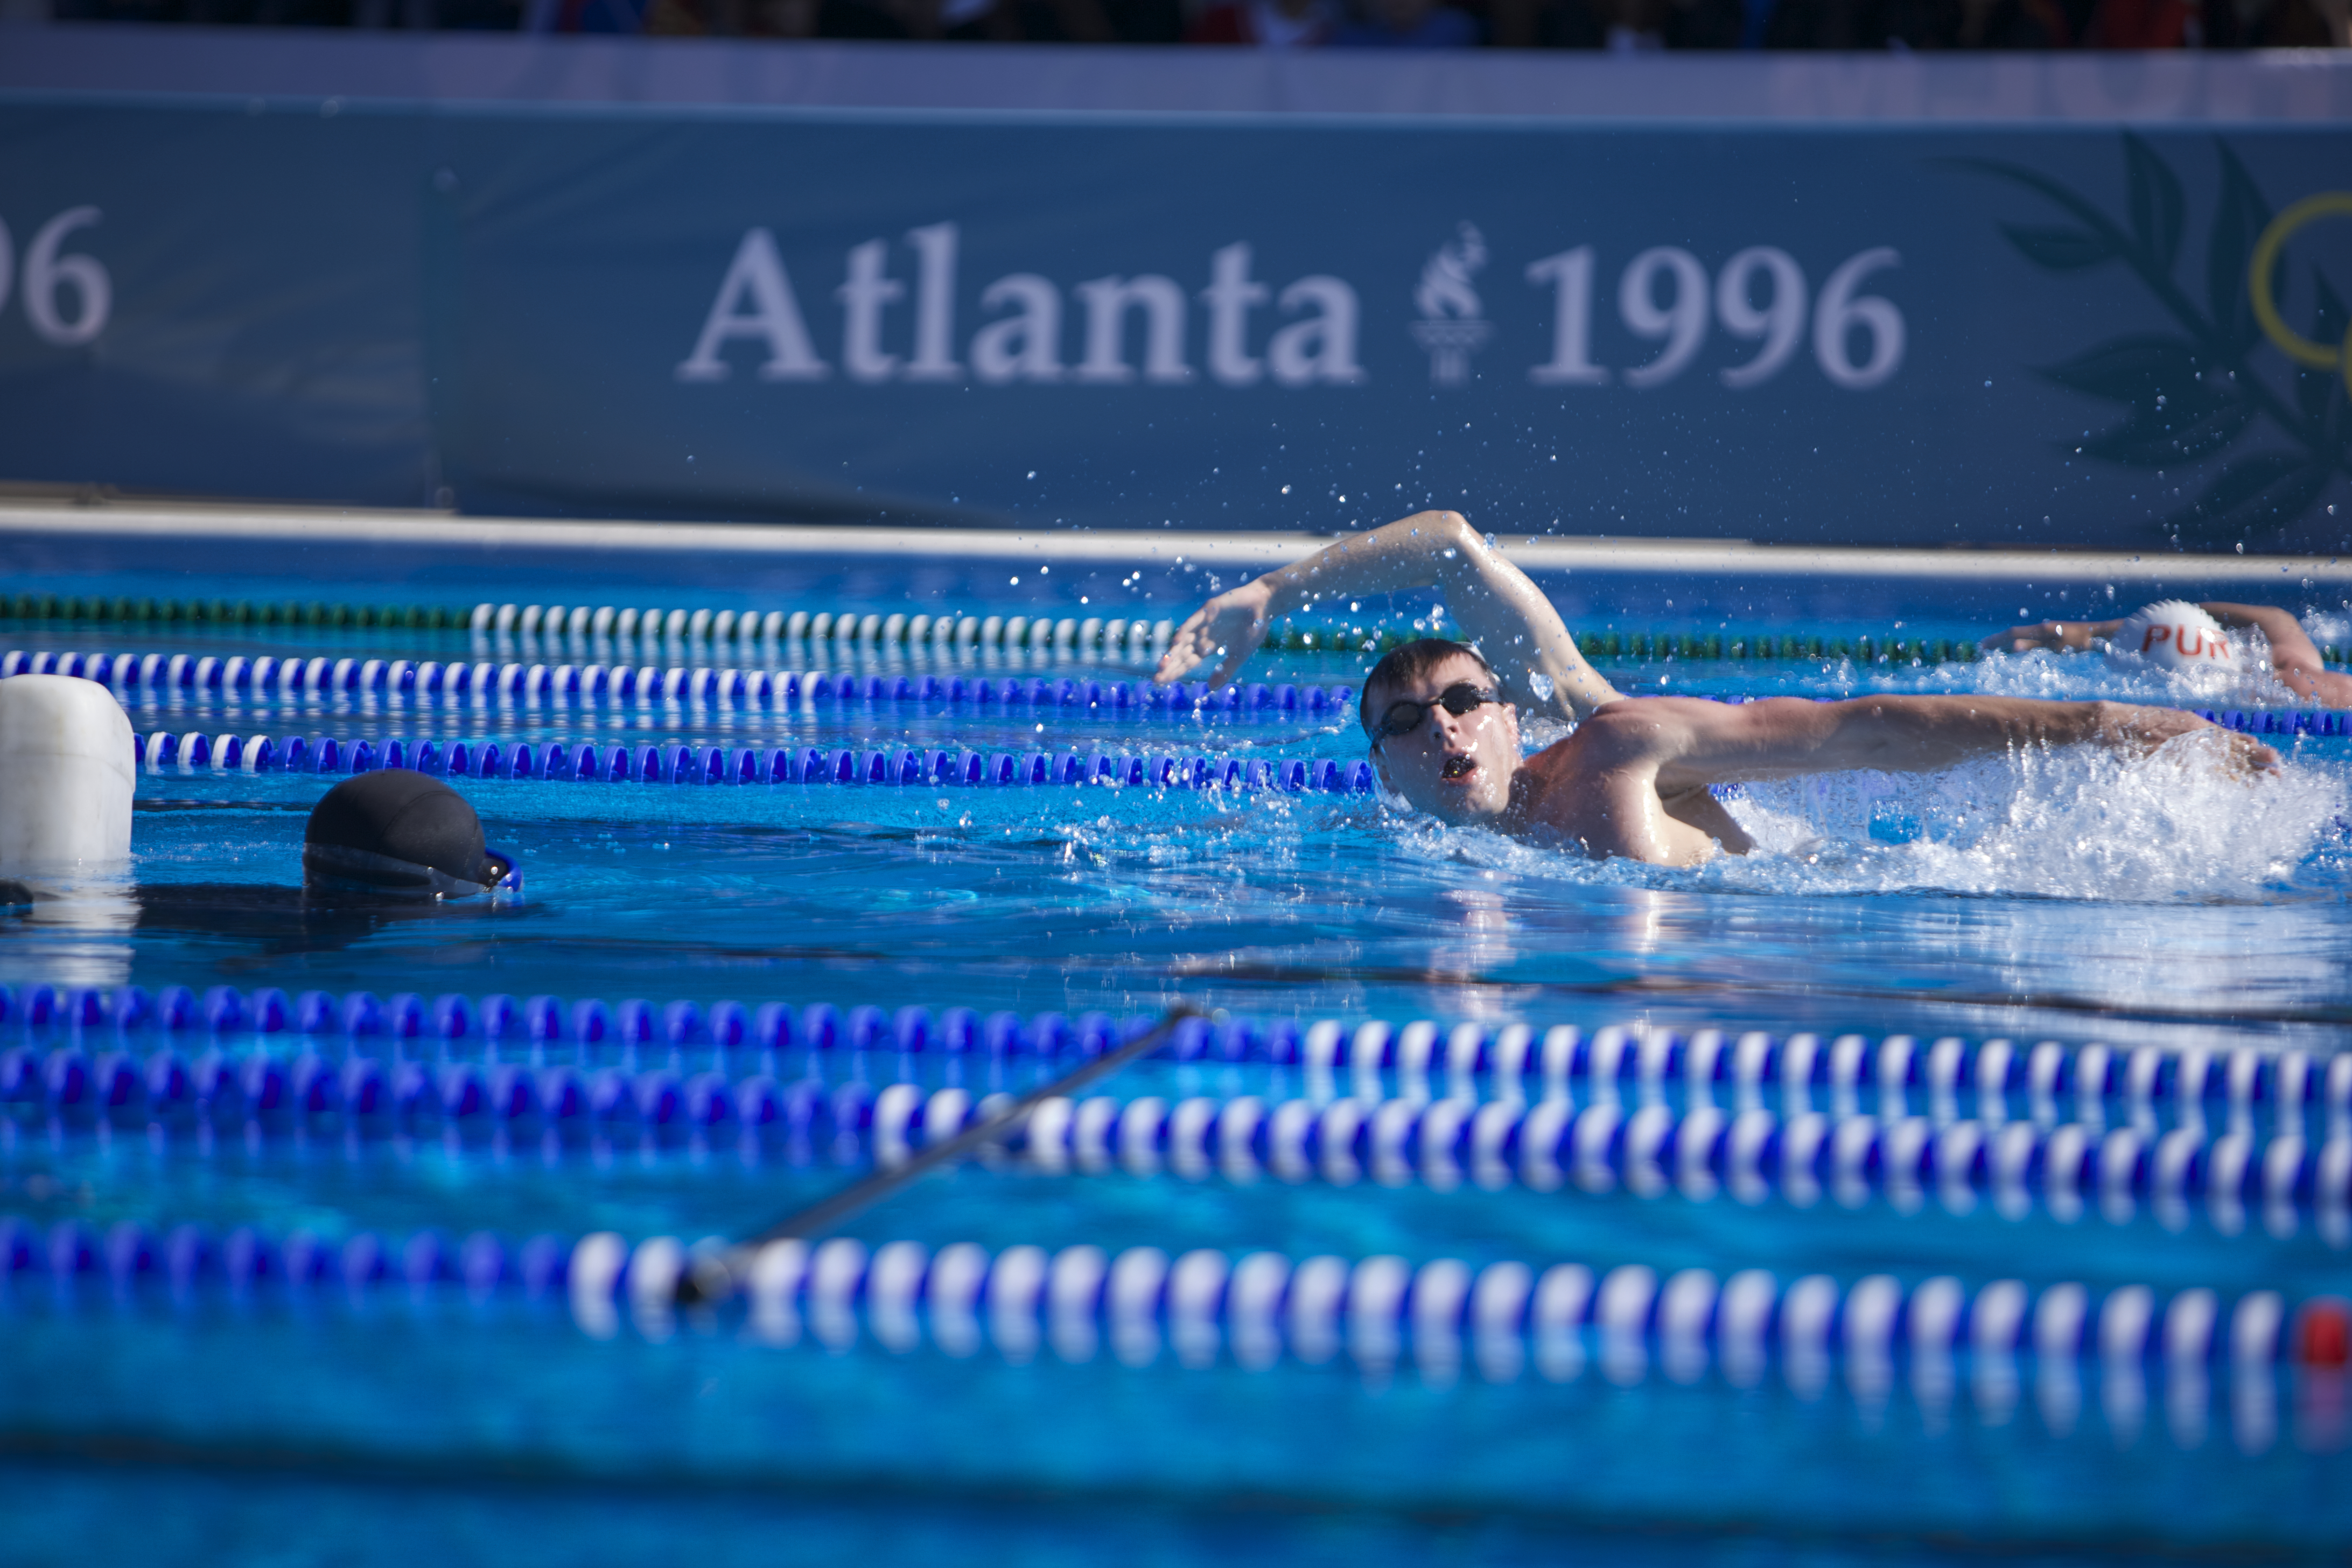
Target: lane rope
pixel 565 685
pixel 513 683
pixel 1651 1152
pixel 162 752
pixel 2004 1081
pixel 1209 1308
pixel 1134 638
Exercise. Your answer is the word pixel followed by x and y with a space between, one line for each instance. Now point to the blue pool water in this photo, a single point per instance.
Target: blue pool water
pixel 362 1414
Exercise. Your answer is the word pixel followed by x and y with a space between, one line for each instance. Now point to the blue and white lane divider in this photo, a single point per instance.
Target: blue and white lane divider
pixel 1110 635
pixel 2048 1084
pixel 1650 1151
pixel 588 761
pixel 566 685
pixel 1207 1307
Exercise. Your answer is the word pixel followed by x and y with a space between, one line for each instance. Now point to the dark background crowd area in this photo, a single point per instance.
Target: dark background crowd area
pixel 1621 26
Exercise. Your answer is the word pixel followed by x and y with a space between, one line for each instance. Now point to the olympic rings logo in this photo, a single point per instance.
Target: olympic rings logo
pixel 2294 344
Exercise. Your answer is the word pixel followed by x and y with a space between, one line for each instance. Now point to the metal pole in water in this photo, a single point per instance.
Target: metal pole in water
pixel 714 1278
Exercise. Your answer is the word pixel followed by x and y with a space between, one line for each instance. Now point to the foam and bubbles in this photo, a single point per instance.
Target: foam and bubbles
pixel 2074 824
pixel 2080 677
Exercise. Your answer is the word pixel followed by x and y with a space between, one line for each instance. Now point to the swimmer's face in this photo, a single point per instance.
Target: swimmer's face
pixel 1458 766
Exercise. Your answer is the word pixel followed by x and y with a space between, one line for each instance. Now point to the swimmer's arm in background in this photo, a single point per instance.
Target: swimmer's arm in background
pixel 2295 658
pixel 1696 742
pixel 1493 601
pixel 2063 636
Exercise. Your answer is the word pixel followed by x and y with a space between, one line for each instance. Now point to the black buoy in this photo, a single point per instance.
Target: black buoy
pixel 398 834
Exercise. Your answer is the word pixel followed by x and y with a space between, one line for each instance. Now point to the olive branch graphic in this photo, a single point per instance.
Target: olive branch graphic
pixel 2195 392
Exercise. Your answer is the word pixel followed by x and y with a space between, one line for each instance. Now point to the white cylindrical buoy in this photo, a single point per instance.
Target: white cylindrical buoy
pixel 66 774
pixel 2174 634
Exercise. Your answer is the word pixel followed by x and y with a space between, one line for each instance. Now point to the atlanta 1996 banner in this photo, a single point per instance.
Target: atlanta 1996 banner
pixel 1870 334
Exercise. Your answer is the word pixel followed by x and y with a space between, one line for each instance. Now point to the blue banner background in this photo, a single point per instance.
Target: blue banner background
pixel 390 304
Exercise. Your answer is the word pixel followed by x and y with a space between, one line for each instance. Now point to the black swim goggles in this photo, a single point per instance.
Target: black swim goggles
pixel 1405 717
pixel 339 869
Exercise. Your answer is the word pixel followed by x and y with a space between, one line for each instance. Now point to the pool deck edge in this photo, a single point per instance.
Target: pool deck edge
pixel 513 540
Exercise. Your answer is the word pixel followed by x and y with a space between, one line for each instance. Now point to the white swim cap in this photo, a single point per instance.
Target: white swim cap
pixel 2173 634
pixel 66 774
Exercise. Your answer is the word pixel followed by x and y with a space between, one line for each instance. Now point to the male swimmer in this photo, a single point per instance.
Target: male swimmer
pixel 1444 718
pixel 2294 658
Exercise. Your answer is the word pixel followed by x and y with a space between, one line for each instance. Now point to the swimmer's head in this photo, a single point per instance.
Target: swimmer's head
pixel 397 834
pixel 1441 733
pixel 2174 634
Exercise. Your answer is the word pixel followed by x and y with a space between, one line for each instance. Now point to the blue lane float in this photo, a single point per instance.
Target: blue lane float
pixel 1651 1151
pixel 594 685
pixel 678 763
pixel 2048 1083
pixel 2272 721
pixel 1206 1309
pixel 565 685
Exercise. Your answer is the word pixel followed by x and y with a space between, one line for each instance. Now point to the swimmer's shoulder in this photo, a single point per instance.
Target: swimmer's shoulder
pixel 1561 794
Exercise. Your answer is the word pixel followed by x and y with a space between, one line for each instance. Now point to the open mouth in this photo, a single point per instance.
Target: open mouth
pixel 1457 768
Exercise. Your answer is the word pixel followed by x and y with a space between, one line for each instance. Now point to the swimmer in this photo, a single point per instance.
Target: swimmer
pixel 1632 780
pixel 380 849
pixel 398 834
pixel 2295 658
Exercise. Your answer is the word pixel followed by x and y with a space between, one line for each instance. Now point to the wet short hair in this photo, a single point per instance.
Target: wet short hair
pixel 1410 663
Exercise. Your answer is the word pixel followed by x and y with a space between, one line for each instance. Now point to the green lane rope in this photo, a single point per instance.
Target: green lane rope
pixel 126 611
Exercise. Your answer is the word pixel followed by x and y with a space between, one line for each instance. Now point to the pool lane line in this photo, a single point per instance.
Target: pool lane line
pixel 1210 1309
pixel 123 610
pixel 684 763
pixel 805 691
pixel 904 1128
pixel 1108 635
pixel 594 685
pixel 718 1273
pixel 1513 1062
pixel 1134 640
pixel 163 752
pixel 1651 1152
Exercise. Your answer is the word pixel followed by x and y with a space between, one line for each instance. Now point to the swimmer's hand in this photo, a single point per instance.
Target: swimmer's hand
pixel 1228 628
pixel 2059 637
pixel 2137 732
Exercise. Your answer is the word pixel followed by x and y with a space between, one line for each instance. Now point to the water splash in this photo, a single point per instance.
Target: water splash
pixel 2075 825
pixel 2087 676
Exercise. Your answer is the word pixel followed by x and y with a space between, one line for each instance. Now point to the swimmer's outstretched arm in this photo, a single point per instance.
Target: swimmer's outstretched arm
pixel 1497 608
pixel 2295 658
pixel 1692 742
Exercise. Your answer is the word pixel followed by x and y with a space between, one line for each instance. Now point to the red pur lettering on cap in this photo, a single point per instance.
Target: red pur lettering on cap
pixel 2155 633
